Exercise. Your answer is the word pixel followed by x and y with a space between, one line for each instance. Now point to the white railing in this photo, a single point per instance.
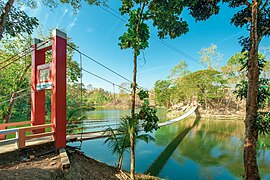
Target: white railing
pixel 21 137
pixel 9 131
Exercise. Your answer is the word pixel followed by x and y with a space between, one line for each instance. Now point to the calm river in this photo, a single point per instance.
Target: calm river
pixel 190 149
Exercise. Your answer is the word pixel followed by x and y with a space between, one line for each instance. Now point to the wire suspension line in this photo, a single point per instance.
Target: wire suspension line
pixel 156 38
pixel 105 79
pixel 92 59
pixel 23 55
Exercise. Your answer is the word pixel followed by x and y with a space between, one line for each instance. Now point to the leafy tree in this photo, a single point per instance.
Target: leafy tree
pixel 165 16
pixel 14 21
pixel 162 92
pixel 205 85
pixel 13 78
pixel 178 71
pixel 233 69
pixel 99 97
pixel 210 57
pixel 254 16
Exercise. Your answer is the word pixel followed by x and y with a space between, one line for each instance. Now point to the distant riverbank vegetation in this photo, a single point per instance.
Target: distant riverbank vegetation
pixel 217 89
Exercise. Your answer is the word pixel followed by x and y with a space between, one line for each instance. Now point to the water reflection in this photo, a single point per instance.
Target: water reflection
pixel 159 163
pixel 210 149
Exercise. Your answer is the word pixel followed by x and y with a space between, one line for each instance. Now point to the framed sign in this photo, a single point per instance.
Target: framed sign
pixel 44 74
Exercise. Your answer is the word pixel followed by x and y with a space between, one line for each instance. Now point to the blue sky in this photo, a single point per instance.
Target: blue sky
pixel 96 32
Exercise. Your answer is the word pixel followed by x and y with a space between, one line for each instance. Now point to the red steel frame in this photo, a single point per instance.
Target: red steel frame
pixel 58 76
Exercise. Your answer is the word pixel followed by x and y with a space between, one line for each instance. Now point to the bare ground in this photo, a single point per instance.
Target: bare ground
pixel 49 167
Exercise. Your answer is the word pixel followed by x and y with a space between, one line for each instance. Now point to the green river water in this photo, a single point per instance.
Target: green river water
pixel 194 148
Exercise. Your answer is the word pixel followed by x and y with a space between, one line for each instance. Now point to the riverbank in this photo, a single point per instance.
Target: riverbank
pixel 48 166
pixel 218 114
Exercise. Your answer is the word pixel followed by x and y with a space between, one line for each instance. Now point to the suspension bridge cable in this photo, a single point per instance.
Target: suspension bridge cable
pixel 17 97
pixel 25 54
pixel 109 69
pixel 8 59
pixel 81 65
pixel 14 92
pixel 105 79
pixel 156 39
pixel 114 102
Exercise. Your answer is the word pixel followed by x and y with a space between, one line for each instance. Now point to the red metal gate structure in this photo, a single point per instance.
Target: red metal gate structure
pixel 50 76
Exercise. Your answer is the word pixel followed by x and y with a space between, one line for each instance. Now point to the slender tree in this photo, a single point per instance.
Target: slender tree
pixel 254 16
pixel 165 16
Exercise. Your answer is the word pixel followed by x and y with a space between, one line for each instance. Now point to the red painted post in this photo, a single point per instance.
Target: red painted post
pixel 37 97
pixel 59 44
pixel 2 136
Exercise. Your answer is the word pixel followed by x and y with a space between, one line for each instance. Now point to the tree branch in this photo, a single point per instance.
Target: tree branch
pixel 247 3
pixel 4 15
pixel 263 33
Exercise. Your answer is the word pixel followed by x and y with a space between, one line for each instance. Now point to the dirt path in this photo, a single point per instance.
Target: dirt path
pixel 49 167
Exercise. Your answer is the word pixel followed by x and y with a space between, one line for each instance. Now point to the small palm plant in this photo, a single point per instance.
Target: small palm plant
pixel 118 140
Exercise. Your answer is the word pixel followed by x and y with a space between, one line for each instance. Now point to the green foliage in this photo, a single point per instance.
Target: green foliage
pixel 262 122
pixel 135 38
pixel 164 14
pixel 17 76
pixel 147 114
pixel 162 92
pixel 98 97
pixel 233 69
pixel 263 91
pixel 143 94
pixel 74 119
pixel 18 22
pixel 178 71
pixel 206 85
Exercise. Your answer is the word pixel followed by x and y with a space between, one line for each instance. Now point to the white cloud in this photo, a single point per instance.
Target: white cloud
pixel 89 30
pixel 70 26
pixel 153 69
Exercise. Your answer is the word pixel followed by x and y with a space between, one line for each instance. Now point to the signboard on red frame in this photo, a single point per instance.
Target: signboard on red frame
pixel 44 74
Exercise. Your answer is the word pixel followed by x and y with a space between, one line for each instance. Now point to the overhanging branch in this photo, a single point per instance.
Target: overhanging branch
pixel 4 15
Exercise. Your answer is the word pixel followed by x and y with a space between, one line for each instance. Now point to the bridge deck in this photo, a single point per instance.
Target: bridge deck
pixel 84 136
pixel 12 146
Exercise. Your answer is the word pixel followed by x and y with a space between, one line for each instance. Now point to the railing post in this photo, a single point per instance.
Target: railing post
pixel 2 136
pixel 21 138
pixel 17 137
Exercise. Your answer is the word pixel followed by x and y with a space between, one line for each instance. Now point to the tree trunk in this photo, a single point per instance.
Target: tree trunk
pixel 120 160
pixel 9 112
pixel 251 133
pixel 3 17
pixel 14 95
pixel 132 142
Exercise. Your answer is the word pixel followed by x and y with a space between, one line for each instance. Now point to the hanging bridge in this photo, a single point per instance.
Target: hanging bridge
pixel 52 76
pixel 22 138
